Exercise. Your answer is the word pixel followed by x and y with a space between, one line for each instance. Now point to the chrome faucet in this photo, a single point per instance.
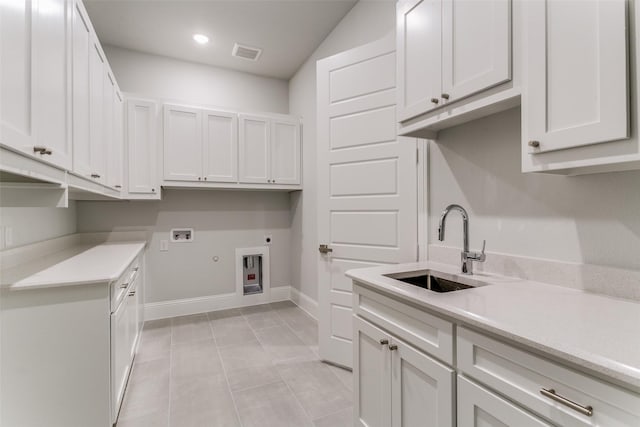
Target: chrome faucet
pixel 466 256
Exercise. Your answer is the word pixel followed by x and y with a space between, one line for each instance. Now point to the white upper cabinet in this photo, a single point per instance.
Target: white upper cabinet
pixel 449 50
pixel 141 152
pixel 476 46
pixel 419 56
pixel 108 122
pixel 97 146
pixel 254 149
pixel 35 79
pixel 81 96
pixel 182 143
pixel 220 147
pixel 269 150
pixel 576 90
pixel 285 152
pixel 115 148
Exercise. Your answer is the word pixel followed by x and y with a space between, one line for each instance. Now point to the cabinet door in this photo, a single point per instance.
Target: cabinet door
pixel 182 143
pixel 576 88
pixel 141 147
pixel 116 159
pixel 81 96
pixel 132 319
pixel 17 89
pixel 285 152
pixel 476 46
pixel 52 80
pixel 120 356
pixel 371 370
pixel 108 123
pixel 419 48
pixel 254 149
pixel 220 148
pixel 480 407
pixel 97 151
pixel 422 389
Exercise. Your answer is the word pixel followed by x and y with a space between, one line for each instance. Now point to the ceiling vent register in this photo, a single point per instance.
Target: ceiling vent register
pixel 246 52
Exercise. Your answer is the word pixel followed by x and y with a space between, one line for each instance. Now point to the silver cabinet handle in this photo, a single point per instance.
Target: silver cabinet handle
pixel 118 186
pixel 39 149
pixel 124 285
pixel 95 175
pixel 445 96
pixel 132 293
pixel 324 249
pixel 384 341
pixel 534 144
pixel 435 100
pixel 48 152
pixel 551 394
pixel 393 347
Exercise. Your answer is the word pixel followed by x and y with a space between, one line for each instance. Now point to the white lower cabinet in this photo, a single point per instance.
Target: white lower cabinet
pixel 478 406
pixel 120 354
pixel 397 385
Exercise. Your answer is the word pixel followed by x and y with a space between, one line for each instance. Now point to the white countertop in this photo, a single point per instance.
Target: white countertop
pixel 79 264
pixel 597 332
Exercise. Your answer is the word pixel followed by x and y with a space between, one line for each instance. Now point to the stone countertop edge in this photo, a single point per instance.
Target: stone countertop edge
pixel 73 271
pixel 566 347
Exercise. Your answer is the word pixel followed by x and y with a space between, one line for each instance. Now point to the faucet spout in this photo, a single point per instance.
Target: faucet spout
pixel 466 256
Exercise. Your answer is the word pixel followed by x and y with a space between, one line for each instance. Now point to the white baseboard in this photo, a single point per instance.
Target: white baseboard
pixel 305 302
pixel 184 307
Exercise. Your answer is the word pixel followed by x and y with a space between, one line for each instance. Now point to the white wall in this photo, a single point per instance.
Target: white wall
pixel 30 225
pixel 593 219
pixel 161 77
pixel 366 22
pixel 223 221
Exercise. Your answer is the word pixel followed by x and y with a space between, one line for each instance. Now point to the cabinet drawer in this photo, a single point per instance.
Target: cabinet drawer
pixel 120 286
pixel 424 331
pixel 522 376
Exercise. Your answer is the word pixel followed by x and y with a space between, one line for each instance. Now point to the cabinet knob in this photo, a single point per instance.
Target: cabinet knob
pixel 435 100
pixel 199 178
pixel 445 96
pixel 205 178
pixel 534 144
pixel 95 175
pixel 153 190
pixel 47 152
pixel 384 341
pixel 39 149
pixel 393 347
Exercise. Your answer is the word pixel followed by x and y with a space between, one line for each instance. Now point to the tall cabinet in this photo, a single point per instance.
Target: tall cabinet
pixel 35 79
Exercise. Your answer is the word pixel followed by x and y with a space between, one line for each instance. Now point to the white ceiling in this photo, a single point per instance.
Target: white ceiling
pixel 287 31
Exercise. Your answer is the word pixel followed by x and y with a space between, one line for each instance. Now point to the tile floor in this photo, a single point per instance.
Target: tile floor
pixel 254 366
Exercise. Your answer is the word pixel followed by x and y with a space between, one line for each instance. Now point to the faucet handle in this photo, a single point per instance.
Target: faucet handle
pixel 482 257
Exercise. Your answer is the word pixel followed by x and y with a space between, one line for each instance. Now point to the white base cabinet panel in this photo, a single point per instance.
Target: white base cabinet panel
pixel 478 407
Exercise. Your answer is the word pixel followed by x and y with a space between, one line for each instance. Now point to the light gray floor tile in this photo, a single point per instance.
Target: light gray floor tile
pixel 190 328
pixel 344 375
pixel 343 418
pixel 252 377
pixel 271 405
pixel 246 355
pixel 147 392
pixel 202 401
pixel 195 359
pixel 261 316
pixel 319 391
pixel 154 344
pixel 232 332
pixel 153 419
pixel 283 345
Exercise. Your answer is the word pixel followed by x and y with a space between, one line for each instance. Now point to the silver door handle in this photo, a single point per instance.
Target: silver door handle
pixel 325 249
pixel 551 394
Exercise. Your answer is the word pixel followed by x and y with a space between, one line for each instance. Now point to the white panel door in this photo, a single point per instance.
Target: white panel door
pixel 422 389
pixel 478 407
pixel 182 143
pixel 220 146
pixel 97 146
pixel 141 147
pixel 254 149
pixel 476 46
pixel 372 375
pixel 81 94
pixel 419 56
pixel 52 80
pixel 285 152
pixel 367 210
pixel 17 89
pixel 576 86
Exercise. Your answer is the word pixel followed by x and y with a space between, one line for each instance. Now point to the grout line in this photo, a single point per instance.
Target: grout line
pixel 224 371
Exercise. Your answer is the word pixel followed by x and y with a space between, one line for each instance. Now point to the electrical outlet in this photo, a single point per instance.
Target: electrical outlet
pixel 268 239
pixel 164 245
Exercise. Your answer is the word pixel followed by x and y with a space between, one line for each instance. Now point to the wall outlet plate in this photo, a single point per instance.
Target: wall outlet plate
pixel 182 235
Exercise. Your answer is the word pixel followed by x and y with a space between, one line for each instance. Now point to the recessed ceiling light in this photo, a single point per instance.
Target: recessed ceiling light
pixel 201 38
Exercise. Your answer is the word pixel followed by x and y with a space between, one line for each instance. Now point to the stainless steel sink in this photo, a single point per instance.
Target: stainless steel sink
pixel 429 281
